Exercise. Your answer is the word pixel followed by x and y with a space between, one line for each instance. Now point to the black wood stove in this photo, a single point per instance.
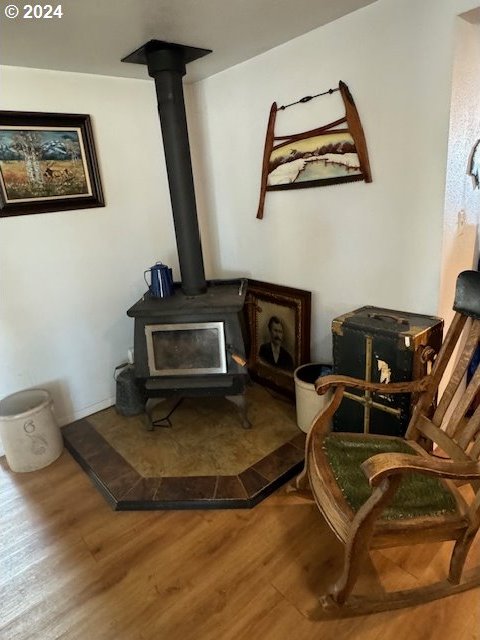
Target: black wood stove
pixel 191 343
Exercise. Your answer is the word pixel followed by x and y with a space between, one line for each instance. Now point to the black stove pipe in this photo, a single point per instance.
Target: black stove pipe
pixel 166 65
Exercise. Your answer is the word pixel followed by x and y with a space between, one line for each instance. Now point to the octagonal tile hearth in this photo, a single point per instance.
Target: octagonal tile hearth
pixel 204 461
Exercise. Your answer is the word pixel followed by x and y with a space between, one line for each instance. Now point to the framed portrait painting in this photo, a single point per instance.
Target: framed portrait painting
pixel 47 163
pixel 278 320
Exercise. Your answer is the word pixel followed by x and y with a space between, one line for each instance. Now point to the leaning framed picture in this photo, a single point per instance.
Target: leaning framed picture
pixel 47 163
pixel 278 323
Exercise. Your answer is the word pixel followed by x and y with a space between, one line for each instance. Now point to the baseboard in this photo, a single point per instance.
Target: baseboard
pixel 87 411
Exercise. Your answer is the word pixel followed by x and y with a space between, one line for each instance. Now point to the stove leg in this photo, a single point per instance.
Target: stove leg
pixel 150 405
pixel 240 402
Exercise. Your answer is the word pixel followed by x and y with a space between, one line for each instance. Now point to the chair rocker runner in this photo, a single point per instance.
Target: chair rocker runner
pixel 382 491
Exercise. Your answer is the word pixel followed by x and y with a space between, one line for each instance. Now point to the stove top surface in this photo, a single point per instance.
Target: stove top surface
pixel 221 296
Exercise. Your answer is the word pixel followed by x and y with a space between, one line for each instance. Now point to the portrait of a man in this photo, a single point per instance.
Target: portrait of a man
pixel 273 352
pixel 278 333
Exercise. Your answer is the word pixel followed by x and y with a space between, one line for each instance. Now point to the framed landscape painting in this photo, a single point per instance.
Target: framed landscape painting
pixel 327 158
pixel 47 163
pixel 332 153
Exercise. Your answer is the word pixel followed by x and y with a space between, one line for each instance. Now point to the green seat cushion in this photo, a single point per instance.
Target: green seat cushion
pixel 418 495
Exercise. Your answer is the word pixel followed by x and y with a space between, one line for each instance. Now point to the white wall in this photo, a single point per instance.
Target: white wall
pixel 350 244
pixel 67 278
pixel 462 201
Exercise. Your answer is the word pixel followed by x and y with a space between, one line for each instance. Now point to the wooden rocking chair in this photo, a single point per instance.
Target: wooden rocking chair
pixel 381 491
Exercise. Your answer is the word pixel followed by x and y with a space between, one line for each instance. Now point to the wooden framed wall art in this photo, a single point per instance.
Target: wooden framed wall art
pixel 329 154
pixel 278 322
pixel 47 163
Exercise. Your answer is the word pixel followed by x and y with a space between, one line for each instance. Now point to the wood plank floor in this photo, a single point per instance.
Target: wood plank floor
pixel 74 569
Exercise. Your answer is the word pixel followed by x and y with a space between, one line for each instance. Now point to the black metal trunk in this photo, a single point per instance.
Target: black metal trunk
pixel 381 345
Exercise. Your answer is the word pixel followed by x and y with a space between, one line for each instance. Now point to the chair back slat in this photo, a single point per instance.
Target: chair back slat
pixel 450 428
pixel 475 450
pixel 457 424
pixel 463 361
pixel 471 430
pixel 440 438
pixel 426 399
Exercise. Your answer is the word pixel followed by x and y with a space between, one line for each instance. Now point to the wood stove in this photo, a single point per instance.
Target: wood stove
pixel 193 346
pixel 191 343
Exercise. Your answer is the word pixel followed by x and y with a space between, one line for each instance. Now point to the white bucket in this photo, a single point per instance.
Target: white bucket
pixel 29 432
pixel 308 402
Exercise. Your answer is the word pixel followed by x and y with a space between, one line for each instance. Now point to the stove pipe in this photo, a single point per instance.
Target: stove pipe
pixel 166 65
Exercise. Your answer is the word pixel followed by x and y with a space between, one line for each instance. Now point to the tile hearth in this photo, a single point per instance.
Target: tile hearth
pixel 204 461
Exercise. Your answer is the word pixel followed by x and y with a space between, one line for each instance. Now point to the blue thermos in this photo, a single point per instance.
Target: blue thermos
pixel 161 280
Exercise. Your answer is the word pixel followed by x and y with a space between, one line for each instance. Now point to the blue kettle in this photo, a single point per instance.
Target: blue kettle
pixel 161 280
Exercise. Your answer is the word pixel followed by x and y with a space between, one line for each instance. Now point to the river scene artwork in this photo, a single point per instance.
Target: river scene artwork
pixel 326 158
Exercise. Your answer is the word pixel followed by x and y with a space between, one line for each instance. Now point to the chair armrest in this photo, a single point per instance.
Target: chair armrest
pixel 326 382
pixel 382 465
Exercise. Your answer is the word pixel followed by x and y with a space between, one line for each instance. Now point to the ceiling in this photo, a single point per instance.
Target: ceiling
pixel 93 36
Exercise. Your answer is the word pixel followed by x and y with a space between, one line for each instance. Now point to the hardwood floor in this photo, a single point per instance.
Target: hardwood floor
pixel 74 569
